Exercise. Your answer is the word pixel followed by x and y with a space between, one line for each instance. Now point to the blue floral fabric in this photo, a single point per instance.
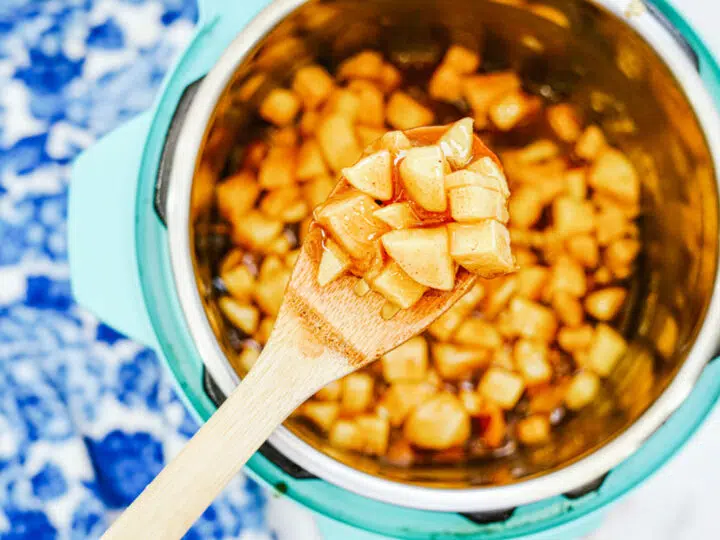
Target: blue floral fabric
pixel 87 417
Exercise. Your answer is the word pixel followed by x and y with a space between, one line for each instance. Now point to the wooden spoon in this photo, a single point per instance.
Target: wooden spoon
pixel 321 334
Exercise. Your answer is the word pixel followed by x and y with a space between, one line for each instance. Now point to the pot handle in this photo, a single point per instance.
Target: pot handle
pixel 101 243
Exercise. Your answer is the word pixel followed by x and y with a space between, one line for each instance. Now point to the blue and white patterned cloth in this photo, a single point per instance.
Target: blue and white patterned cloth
pixel 87 417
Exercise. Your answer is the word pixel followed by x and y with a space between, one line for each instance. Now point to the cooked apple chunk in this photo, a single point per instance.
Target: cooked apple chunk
pixel 491 171
pixel 482 248
pixel 422 172
pixel 467 178
pixel 440 423
pixel 396 286
pixel 394 141
pixel 475 203
pixel 398 215
pixel 457 143
pixel 372 175
pixel 333 263
pixel 350 222
pixel 424 254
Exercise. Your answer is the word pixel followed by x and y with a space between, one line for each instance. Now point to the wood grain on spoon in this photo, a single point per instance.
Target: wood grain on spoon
pixel 322 333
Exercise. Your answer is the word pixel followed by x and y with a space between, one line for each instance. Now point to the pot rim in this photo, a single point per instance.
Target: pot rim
pixel 484 499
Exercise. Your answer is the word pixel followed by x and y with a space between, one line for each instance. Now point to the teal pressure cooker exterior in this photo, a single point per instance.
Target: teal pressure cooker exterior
pixel 121 270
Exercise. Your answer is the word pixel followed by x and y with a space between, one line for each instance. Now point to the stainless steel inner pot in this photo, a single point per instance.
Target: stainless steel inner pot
pixel 628 73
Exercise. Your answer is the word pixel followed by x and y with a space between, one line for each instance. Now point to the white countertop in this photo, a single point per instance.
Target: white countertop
pixel 680 501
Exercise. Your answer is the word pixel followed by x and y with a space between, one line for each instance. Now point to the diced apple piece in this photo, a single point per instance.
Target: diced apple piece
pixel 364 65
pixel 403 397
pixel 403 112
pixel 371 111
pixel 449 321
pixel 467 179
pixel 313 84
pixel 478 333
pixel 398 215
pixel 422 172
pixel 334 262
pixel 269 291
pixel 513 108
pixel 584 248
pixel 373 175
pixel 317 190
pixel 369 135
pixel 488 168
pixel 424 254
pixel 568 276
pixel 481 91
pixel 342 102
pixel 604 304
pixel 338 142
pixel 276 202
pixel 532 320
pixel 614 175
pixel 394 141
pixel 310 162
pixel 446 84
pixel 408 362
pixel 350 222
pixel 390 78
pixel 462 59
pixel 256 230
pixel 264 330
pixel 526 207
pixel 572 217
pixel 534 430
pixel 501 387
pixel 376 431
pixel 621 254
pixel 582 390
pixel 474 203
pixel 247 358
pixel 454 362
pixel 438 424
pixel 243 316
pixel 591 144
pixel 482 248
pixel 576 184
pixel 280 107
pixel 606 348
pixel 361 287
pixel 239 282
pixel 564 121
pixel 321 413
pixel 237 194
pixel 472 401
pixel 396 286
pixel 278 169
pixel 531 281
pixel 309 122
pixel 457 143
pixel 330 392
pixel 531 358
pixel 347 435
pixel 357 392
pixel 568 308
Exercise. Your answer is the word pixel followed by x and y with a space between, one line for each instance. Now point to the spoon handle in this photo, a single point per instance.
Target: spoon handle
pixel 281 379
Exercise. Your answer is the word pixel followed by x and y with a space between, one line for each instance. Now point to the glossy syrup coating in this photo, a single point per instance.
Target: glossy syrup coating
pixel 518 356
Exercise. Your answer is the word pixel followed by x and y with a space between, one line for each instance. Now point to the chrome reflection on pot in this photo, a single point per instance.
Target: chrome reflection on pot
pixel 629 75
